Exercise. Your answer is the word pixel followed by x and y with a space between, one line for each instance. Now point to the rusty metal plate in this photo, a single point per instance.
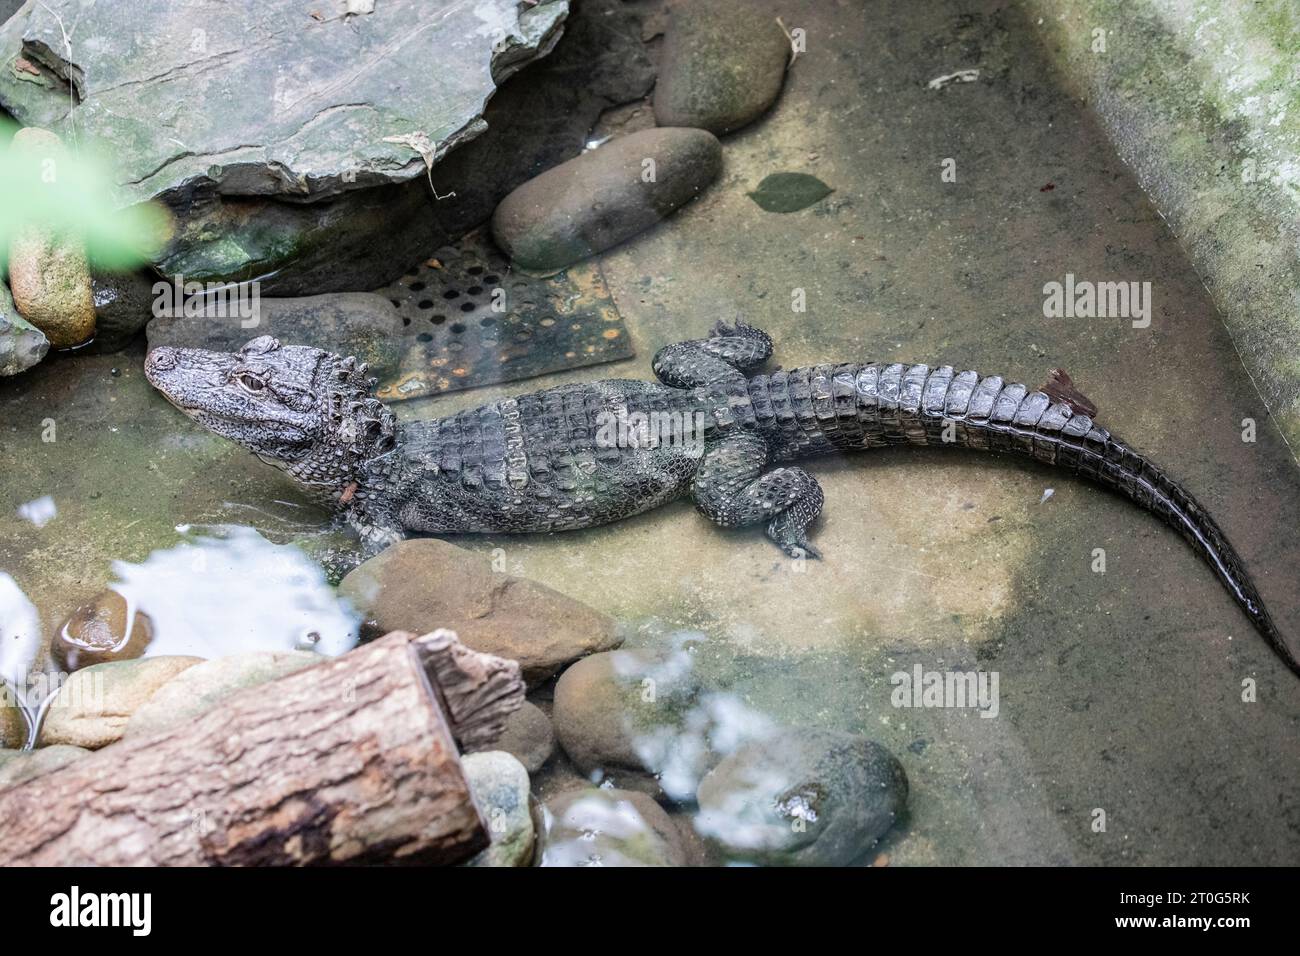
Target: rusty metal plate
pixel 470 320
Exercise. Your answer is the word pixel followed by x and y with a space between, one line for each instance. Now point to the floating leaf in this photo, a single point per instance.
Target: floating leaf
pixel 789 192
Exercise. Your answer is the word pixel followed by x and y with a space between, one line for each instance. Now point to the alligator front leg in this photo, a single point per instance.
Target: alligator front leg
pixel 731 491
pixel 722 358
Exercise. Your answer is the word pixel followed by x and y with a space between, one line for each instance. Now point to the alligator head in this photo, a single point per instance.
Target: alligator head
pixel 302 409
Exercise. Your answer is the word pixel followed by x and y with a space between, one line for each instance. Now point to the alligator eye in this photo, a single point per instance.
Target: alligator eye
pixel 250 383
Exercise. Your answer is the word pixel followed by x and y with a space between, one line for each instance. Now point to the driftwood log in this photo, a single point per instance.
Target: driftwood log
pixel 353 761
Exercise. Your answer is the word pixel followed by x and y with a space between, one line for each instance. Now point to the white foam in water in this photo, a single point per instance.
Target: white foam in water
pixel 715 725
pixel 214 596
pixel 39 512
pixel 20 634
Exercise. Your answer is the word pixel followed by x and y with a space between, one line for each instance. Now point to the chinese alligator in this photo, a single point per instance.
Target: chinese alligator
pixel 580 455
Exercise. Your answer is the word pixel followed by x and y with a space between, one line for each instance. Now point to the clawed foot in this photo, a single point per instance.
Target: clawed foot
pixel 793 541
pixel 801 551
pixel 722 330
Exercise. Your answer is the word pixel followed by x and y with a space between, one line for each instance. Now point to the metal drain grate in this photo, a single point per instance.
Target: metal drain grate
pixel 470 321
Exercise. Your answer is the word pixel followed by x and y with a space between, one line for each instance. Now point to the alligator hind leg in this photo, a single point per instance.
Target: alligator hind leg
pixel 731 491
pixel 723 357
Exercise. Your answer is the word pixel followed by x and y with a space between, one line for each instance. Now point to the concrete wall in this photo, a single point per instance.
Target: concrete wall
pixel 1203 100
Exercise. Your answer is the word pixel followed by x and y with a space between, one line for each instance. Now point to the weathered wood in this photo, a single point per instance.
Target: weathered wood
pixel 350 761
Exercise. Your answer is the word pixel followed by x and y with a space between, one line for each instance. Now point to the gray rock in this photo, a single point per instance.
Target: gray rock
pixel 351 323
pixel 360 240
pixel 424 583
pixel 607 827
pixel 499 784
pixel 22 344
pixel 93 706
pixel 601 198
pixel 202 687
pixel 528 736
pixel 722 66
pixel 123 306
pixel 321 123
pixel 19 766
pixel 802 797
pixel 366 239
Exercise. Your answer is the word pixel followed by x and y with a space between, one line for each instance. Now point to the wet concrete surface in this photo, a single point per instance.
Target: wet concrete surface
pixel 1119 691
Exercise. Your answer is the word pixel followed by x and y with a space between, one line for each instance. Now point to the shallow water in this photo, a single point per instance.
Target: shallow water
pixel 1120 690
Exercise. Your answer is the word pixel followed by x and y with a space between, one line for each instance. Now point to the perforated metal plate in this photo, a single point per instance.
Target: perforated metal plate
pixel 470 320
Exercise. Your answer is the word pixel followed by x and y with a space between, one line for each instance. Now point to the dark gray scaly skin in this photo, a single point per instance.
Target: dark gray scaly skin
pixel 545 461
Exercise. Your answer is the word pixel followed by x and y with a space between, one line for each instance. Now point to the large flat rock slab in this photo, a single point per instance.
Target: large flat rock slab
pixel 277 98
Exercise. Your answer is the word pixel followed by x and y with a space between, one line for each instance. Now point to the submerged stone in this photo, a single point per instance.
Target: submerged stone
pixel 607 827
pixel 123 306
pixel 499 785
pixel 528 736
pixel 604 197
pixel 22 344
pixel 802 797
pixel 789 192
pixel 108 628
pixel 610 707
pixel 423 583
pixel 644 719
pixel 359 240
pixel 722 67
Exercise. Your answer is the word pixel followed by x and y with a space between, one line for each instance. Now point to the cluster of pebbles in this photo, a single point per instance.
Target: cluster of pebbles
pixel 620 757
pixel 721 69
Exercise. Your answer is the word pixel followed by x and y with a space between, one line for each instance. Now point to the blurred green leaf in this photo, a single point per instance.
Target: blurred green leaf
pixel 71 194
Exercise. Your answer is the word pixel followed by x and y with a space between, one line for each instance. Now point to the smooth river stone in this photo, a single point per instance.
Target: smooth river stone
pixel 205 686
pixel 92 708
pixel 604 197
pixel 49 275
pixel 107 628
pixel 528 737
pixel 607 827
pixel 499 785
pixel 422 584
pixel 602 716
pixel 722 66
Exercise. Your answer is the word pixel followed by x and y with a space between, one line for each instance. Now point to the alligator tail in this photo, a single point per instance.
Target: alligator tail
pixel 837 408
pixel 1140 480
